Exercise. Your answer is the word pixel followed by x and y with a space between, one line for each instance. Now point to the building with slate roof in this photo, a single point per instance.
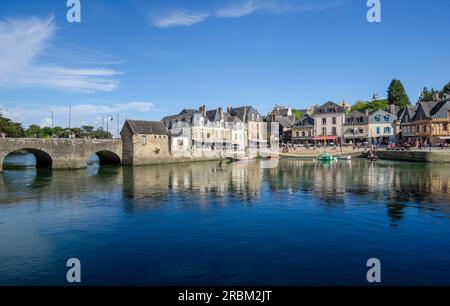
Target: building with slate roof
pixel 431 122
pixel 144 142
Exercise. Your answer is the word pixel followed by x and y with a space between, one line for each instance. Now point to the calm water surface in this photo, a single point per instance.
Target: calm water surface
pixel 226 224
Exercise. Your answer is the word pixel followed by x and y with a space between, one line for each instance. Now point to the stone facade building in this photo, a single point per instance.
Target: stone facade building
pixel 303 130
pixel 329 122
pixel 144 142
pixel 356 127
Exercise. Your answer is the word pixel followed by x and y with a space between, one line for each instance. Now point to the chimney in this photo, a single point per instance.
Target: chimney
pixel 202 110
pixel 222 115
pixel 366 112
pixel 392 109
pixel 436 96
pixel 244 117
pixel 229 108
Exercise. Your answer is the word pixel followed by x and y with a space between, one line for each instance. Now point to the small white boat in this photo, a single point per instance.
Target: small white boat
pixel 269 155
pixel 236 157
pixel 345 157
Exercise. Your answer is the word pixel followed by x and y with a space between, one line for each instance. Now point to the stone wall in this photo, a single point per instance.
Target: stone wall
pixel 153 149
pixel 416 156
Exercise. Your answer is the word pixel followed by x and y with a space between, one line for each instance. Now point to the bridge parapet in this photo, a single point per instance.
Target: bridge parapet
pixel 64 153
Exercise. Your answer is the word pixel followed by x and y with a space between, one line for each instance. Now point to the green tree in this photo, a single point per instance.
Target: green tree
pixel 46 132
pixel 297 114
pixel 359 106
pixel 446 88
pixel 397 94
pixel 426 95
pixel 33 130
pixel 10 128
pixel 362 106
pixel 87 128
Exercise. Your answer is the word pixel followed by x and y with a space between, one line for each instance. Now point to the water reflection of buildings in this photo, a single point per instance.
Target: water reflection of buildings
pixel 201 183
pixel 396 185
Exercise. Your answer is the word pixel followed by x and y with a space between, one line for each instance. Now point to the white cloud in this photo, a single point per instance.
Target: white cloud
pixel 240 9
pixel 176 18
pixel 24 42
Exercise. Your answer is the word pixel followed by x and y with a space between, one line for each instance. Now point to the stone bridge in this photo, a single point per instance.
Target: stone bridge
pixel 64 153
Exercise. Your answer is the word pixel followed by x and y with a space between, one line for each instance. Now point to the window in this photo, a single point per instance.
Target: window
pixel 144 140
pixel 334 131
pixel 324 131
pixel 387 118
pixel 303 134
pixel 180 142
pixel 378 118
pixel 387 130
pixel 361 131
pixel 378 131
pixel 324 121
pixel 445 127
pixel 298 134
pixel 334 120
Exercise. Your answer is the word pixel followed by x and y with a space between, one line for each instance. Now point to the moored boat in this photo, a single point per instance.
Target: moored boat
pixel 236 157
pixel 345 157
pixel 326 157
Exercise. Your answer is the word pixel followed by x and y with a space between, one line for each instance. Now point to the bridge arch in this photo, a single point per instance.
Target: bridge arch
pixel 107 157
pixel 43 159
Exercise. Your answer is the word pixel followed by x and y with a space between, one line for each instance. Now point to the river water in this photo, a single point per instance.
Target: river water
pixel 294 222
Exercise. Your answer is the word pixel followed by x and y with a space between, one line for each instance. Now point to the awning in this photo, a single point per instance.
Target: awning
pixel 325 138
pixel 445 138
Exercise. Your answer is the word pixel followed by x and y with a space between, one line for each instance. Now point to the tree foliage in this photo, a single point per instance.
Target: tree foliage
pixel 362 106
pixel 397 94
pixel 10 128
pixel 446 88
pixel 15 130
pixel 297 114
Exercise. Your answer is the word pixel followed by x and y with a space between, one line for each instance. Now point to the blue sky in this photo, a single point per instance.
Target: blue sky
pixel 149 59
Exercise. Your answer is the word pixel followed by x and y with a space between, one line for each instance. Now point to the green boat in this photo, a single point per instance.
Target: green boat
pixel 326 157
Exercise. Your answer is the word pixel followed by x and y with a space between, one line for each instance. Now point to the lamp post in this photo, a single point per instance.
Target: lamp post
pixel 108 117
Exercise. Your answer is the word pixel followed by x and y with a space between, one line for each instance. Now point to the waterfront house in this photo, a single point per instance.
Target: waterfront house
pixel 144 142
pixel 356 127
pixel 285 119
pixel 238 131
pixel 406 116
pixel 256 128
pixel 431 122
pixel 329 121
pixel 303 130
pixel 381 127
pixel 273 136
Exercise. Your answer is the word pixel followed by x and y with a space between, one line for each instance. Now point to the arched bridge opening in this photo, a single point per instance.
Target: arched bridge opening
pixel 43 160
pixel 106 157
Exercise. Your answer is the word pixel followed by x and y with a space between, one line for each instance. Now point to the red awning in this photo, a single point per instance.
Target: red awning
pixel 325 138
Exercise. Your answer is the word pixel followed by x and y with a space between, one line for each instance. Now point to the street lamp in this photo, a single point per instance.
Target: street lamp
pixel 108 118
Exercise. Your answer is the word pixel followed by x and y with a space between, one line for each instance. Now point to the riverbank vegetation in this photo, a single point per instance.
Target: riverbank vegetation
pixel 11 129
